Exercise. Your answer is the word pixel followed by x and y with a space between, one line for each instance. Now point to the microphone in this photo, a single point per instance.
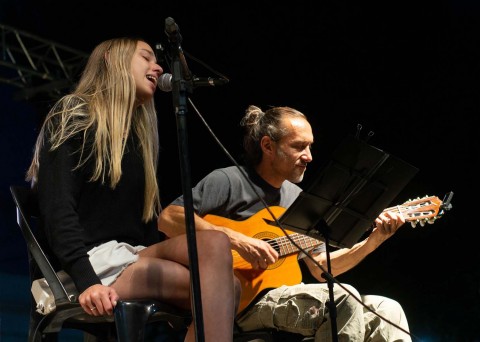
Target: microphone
pixel 175 38
pixel 172 31
pixel 165 82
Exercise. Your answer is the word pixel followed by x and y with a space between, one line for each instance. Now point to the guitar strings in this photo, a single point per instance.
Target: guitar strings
pixel 284 246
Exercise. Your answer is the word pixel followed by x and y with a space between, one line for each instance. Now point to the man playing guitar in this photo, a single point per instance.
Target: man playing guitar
pixel 234 200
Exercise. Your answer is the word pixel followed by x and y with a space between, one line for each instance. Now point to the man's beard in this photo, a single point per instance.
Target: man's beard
pixel 296 178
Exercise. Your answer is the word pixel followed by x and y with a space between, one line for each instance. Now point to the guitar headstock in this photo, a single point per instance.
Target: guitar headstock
pixel 425 210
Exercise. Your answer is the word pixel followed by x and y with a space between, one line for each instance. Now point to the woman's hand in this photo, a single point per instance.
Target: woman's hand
pixel 98 300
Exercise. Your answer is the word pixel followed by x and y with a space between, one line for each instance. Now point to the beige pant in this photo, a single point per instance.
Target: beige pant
pixel 302 309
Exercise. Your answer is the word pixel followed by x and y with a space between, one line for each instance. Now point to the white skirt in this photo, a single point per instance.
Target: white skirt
pixel 111 258
pixel 108 260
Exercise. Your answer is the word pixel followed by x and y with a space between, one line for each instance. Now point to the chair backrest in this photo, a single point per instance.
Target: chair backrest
pixel 27 208
pixel 67 312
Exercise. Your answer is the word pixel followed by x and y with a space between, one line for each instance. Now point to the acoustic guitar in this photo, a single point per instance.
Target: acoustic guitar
pixel 286 271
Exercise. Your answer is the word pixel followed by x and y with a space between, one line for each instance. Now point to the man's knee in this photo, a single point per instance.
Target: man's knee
pixel 387 307
pixel 347 297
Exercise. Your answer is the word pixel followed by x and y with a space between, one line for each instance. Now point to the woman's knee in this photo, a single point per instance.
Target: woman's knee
pixel 214 244
pixel 214 238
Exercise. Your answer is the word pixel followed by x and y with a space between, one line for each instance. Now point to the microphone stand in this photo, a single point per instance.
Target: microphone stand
pixel 180 88
pixel 330 282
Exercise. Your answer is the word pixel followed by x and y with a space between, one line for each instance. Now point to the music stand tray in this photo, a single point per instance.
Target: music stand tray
pixel 348 194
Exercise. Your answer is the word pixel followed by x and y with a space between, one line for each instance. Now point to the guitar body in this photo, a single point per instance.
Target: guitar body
pixel 285 271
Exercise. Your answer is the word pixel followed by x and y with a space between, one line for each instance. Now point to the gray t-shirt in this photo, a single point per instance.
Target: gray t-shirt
pixel 225 192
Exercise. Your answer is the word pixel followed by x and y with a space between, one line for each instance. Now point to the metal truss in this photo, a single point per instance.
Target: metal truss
pixel 37 66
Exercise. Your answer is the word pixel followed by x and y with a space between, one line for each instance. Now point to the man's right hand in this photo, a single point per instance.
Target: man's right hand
pixel 257 252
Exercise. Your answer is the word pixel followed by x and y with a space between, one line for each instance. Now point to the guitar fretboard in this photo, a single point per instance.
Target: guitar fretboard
pixel 284 246
pixel 418 209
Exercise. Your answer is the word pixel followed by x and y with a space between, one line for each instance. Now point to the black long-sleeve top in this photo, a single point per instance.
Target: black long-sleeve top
pixel 77 214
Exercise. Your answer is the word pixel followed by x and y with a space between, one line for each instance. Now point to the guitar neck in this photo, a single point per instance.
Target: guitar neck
pixel 420 210
pixel 284 246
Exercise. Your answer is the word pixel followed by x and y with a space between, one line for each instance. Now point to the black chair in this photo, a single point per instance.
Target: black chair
pixel 130 318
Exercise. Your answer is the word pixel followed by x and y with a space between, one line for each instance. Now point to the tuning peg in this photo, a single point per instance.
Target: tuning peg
pixel 413 224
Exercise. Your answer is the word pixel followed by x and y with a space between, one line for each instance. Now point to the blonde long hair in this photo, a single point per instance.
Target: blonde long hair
pixel 104 101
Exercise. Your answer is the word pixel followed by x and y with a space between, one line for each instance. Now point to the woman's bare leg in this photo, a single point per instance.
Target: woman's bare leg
pixel 159 274
pixel 155 278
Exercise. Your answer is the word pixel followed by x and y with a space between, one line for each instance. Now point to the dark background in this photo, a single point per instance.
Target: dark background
pixel 407 71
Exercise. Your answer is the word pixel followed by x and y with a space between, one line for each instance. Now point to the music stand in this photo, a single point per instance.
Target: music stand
pixel 345 198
